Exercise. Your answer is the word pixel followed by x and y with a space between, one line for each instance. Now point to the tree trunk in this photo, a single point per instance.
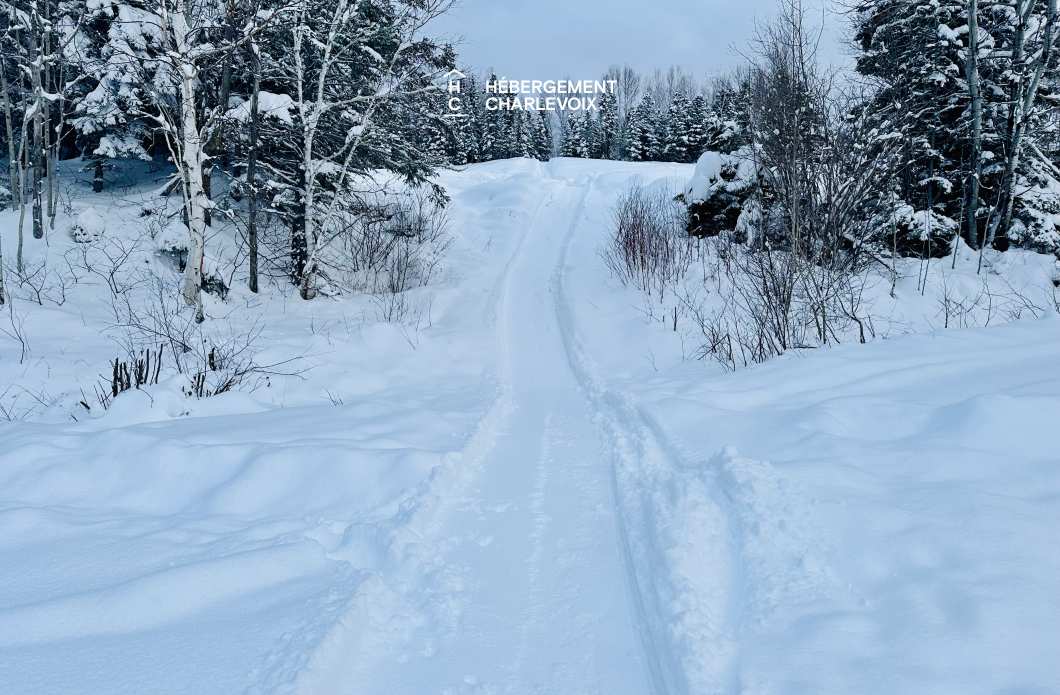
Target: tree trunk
pixel 51 80
pixel 37 153
pixel 9 131
pixel 972 70
pixel 299 252
pixel 23 166
pixel 195 196
pixel 1022 104
pixel 190 148
pixel 252 165
pixel 207 190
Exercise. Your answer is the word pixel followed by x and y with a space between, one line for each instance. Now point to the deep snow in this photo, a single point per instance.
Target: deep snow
pixel 534 490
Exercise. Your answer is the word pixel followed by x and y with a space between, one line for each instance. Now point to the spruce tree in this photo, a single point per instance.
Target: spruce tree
pixel 492 125
pixel 541 142
pixel 589 144
pixel 698 128
pixel 911 46
pixel 644 131
pixel 468 125
pixel 607 127
pixel 678 124
pixel 573 137
pixel 729 122
pixel 916 51
pixel 116 56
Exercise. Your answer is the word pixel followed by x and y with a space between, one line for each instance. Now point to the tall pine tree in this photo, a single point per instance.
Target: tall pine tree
pixel 644 131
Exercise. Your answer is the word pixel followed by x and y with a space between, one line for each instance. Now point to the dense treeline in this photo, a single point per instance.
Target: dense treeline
pixel 287 104
pixel 969 89
pixel 665 116
pixel 960 97
pixel 946 147
pixel 949 128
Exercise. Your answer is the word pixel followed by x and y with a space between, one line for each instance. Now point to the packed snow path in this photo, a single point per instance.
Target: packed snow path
pixel 550 602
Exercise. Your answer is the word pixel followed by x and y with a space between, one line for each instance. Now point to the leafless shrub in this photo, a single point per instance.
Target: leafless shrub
pixel 215 358
pixel 16 330
pixel 649 248
pixel 127 374
pixel 409 312
pixel 111 262
pixel 389 244
pixel 39 284
pixel 768 301
pixel 11 408
pixel 225 367
pixel 960 309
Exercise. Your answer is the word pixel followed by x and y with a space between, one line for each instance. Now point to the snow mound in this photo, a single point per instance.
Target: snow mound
pixel 716 171
pixel 88 226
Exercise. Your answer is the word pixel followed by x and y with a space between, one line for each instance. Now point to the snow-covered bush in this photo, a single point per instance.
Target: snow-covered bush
pixel 1036 220
pixel 720 187
pixel 207 358
pixel 88 226
pixel 393 242
pixel 913 233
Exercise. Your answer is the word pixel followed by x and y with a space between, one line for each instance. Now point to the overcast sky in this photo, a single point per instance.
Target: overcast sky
pixel 549 39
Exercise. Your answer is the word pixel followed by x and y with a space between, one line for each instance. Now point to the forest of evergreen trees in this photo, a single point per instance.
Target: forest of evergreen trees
pixel 665 116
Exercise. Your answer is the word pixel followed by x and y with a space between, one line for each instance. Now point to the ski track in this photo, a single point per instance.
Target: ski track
pixel 656 654
pixel 534 548
pixel 642 464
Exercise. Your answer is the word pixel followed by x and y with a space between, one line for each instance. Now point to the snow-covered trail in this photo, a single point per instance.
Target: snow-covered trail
pixel 546 602
pixel 539 492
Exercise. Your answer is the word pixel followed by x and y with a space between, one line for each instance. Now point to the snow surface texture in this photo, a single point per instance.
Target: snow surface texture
pixel 536 492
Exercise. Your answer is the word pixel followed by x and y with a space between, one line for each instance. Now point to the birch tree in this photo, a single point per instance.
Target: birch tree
pixel 8 100
pixel 357 68
pixel 1029 66
pixel 185 31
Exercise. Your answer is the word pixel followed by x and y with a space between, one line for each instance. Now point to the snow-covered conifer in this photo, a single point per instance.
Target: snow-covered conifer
pixel 644 131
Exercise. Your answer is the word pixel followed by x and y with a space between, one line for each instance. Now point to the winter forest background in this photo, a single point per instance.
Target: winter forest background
pixel 273 113
pixel 297 145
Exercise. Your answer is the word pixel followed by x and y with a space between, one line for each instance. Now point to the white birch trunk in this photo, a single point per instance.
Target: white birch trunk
pixel 37 153
pixel 1022 105
pixel 190 155
pixel 9 131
